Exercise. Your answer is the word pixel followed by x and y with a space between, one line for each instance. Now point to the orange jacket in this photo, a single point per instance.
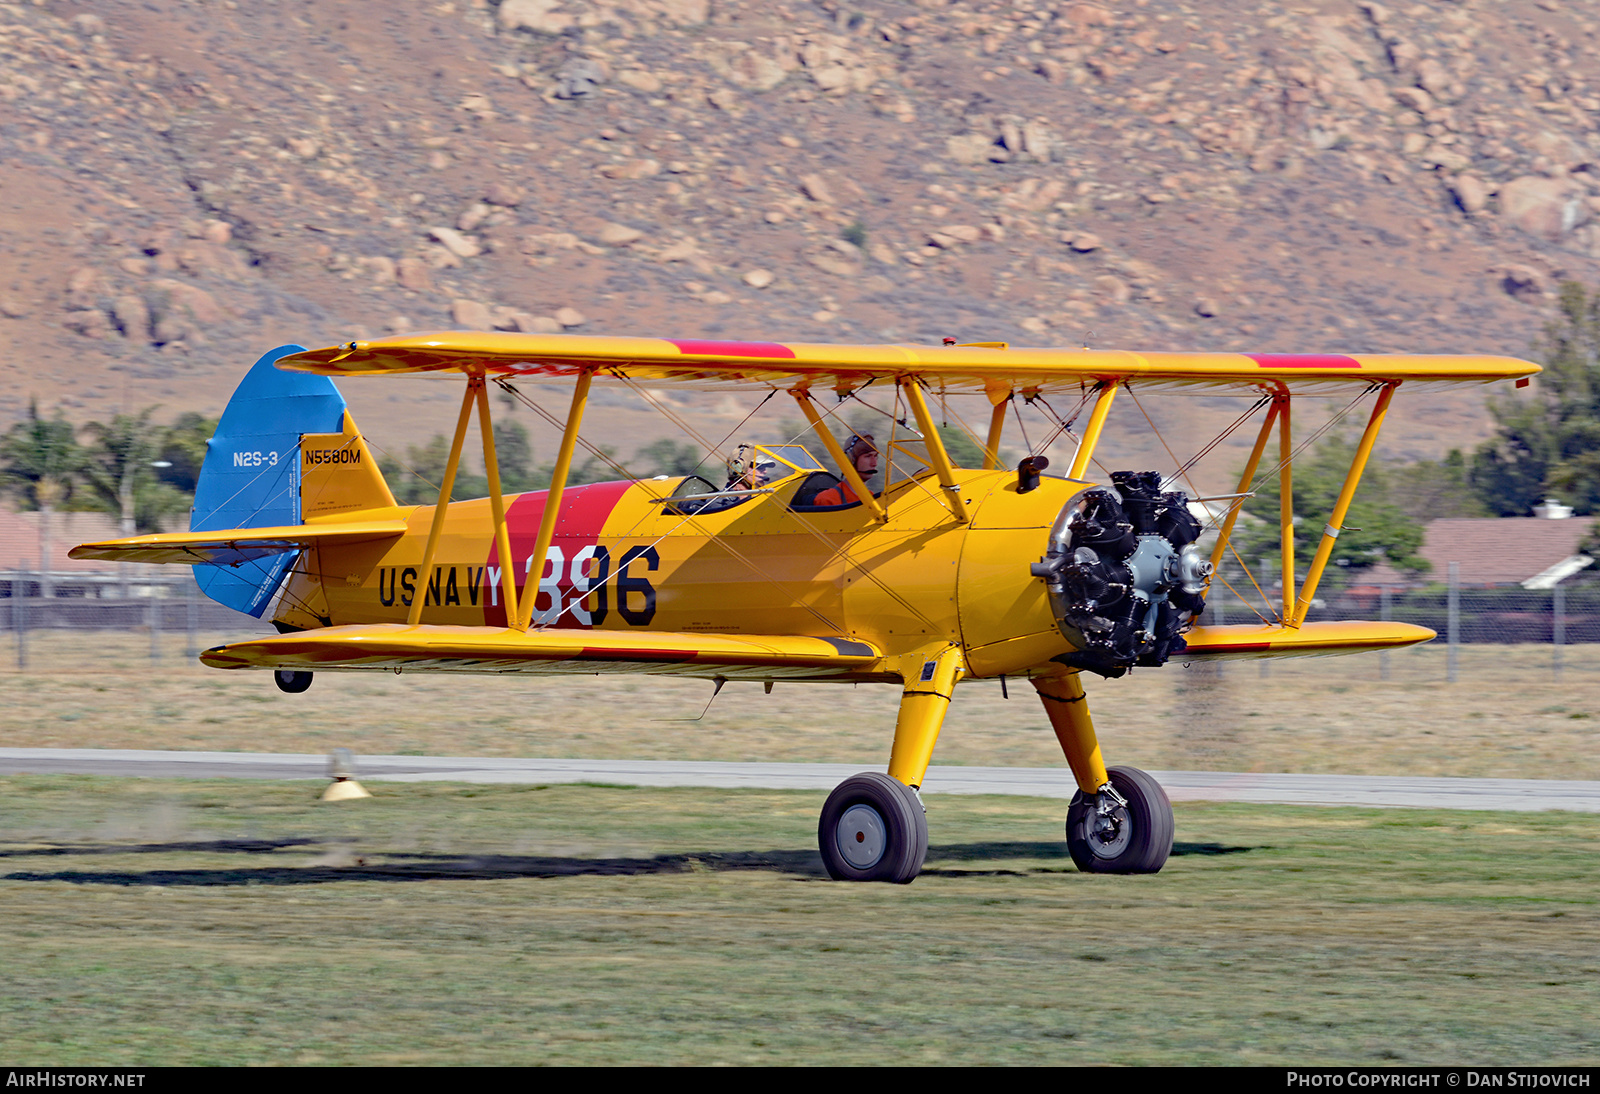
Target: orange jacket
pixel 836 495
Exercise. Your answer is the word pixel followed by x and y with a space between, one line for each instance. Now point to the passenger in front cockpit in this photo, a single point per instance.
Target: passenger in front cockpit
pixel 862 451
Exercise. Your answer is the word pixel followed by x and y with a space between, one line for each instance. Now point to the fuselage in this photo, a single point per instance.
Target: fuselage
pixel 624 558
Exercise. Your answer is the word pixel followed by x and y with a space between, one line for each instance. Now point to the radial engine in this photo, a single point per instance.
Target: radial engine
pixel 1125 576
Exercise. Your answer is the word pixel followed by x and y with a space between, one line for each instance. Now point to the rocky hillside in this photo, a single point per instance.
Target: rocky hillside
pixel 184 183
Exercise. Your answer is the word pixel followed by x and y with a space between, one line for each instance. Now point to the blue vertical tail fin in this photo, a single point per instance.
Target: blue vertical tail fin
pixel 251 474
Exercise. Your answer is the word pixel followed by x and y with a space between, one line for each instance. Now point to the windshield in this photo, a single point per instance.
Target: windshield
pixel 794 455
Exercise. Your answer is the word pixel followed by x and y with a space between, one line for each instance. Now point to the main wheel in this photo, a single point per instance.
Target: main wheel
pixel 1135 839
pixel 873 828
pixel 291 681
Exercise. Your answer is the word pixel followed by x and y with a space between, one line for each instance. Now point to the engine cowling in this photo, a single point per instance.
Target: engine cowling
pixel 1124 574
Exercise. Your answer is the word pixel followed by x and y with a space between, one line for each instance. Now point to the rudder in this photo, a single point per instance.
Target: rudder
pixel 251 474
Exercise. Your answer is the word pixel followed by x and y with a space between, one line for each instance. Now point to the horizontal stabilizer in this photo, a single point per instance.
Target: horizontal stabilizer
pixel 395 646
pixel 1251 641
pixel 231 547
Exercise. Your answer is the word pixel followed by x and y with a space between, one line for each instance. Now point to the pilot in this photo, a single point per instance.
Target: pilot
pixel 750 472
pixel 862 450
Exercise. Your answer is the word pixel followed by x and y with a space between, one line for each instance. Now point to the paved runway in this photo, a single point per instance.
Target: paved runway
pixel 1512 795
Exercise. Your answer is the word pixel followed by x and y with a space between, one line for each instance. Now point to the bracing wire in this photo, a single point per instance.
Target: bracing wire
pixel 838 550
pixel 688 519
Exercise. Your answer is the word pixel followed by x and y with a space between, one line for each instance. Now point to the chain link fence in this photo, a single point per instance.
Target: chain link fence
pixel 162 602
pixel 1468 620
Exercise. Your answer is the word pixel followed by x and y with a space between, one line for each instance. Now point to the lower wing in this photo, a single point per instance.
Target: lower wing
pixel 397 647
pixel 1244 642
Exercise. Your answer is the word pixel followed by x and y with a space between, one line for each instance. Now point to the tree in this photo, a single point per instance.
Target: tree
pixel 1376 528
pixel 668 457
pixel 120 473
pixel 40 461
pixel 183 448
pixel 963 450
pixel 1430 490
pixel 415 481
pixel 1547 443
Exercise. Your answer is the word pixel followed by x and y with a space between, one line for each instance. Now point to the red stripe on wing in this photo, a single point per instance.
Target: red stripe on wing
pixel 1303 360
pixel 702 348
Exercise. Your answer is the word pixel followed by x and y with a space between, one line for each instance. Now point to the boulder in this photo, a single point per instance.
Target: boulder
pixel 1547 208
pixel 537 324
pixel 632 169
pixel 503 194
pixel 90 322
pixel 639 80
pixel 816 188
pixel 1521 282
pixel 618 235
pixel 457 244
pixel 579 78
pixel 1113 288
pixel 969 147
pixel 132 316
pixel 472 216
pixel 685 13
pixel 413 273
pixel 1470 193
pixel 383 269
pixel 535 15
pixel 470 315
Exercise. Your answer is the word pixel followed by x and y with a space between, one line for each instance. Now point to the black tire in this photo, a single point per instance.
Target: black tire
pixel 291 681
pixel 873 828
pixel 1137 840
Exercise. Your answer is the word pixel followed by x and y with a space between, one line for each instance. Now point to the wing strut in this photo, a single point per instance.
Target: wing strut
pixel 1286 504
pixel 552 501
pixel 1091 434
pixel 847 466
pixel 1331 530
pixel 1225 536
pixel 936 453
pixel 446 485
pixel 1000 396
pixel 497 510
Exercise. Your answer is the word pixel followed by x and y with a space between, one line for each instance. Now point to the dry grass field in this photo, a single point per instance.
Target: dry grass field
pixel 192 922
pixel 1508 715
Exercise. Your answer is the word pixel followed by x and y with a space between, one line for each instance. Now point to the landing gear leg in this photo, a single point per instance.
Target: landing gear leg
pixel 873 827
pixel 1120 821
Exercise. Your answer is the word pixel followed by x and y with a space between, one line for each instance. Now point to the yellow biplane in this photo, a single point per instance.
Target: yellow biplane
pixel 790 570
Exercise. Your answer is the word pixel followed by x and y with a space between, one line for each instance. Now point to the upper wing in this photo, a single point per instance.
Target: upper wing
pixel 1252 641
pixel 233 546
pixel 398 647
pixel 952 368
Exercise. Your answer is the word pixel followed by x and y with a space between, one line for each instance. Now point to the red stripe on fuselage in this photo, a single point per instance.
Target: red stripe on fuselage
pixel 584 510
pixel 702 348
pixel 1303 360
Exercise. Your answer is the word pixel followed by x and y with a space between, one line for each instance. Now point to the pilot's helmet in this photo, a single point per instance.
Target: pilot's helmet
pixel 860 443
pixel 752 466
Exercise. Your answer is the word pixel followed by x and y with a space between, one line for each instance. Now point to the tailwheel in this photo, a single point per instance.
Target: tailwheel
pixel 873 828
pixel 1127 828
pixel 291 681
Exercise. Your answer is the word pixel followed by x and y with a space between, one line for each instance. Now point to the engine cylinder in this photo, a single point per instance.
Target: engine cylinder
pixel 1124 573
